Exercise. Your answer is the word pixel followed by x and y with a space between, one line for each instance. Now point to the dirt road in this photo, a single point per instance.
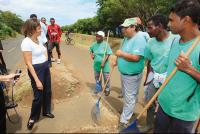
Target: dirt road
pixel 73 112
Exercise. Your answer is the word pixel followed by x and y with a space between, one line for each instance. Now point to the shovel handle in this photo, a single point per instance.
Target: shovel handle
pixel 167 79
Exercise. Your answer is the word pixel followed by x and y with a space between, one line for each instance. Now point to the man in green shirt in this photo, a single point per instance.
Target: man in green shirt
pixel 180 99
pixel 156 52
pixel 130 64
pixel 100 52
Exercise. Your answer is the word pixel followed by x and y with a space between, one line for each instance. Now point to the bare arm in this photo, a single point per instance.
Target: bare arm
pixel 28 61
pixel 127 56
pixel 7 77
pixel 92 55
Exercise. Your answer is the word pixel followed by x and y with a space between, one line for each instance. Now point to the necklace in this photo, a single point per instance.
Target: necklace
pixel 35 40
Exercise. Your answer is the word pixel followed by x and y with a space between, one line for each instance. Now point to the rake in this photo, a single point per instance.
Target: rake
pixel 95 112
pixel 132 128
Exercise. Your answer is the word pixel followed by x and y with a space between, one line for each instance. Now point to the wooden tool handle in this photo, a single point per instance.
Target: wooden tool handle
pixel 167 79
pixel 104 87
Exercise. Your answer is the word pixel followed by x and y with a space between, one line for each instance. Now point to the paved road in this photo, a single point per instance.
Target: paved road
pixel 12 53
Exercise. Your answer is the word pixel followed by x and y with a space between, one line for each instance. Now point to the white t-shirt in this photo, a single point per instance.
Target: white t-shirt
pixel 38 50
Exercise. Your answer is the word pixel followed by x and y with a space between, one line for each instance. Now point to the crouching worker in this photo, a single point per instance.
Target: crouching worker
pixel 100 52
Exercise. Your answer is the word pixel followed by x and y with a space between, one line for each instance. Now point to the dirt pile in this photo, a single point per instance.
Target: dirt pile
pixel 64 85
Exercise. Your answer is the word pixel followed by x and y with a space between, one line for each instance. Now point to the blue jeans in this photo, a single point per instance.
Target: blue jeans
pixel 42 98
pixel 167 124
pixel 105 76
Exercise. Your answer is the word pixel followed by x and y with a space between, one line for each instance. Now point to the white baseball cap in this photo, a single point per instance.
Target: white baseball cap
pixel 101 33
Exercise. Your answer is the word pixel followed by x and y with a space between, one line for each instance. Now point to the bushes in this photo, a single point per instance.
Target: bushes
pixel 10 24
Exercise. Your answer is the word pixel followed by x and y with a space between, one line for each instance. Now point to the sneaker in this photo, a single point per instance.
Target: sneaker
pixel 53 60
pixel 122 126
pixel 58 61
pixel 107 93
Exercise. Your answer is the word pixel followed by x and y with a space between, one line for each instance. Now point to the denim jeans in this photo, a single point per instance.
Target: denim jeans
pixel 105 76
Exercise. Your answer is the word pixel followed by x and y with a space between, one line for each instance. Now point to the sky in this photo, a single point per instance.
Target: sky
pixel 65 12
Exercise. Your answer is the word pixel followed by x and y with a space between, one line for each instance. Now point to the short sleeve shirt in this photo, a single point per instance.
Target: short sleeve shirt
pixel 98 50
pixel 136 46
pixel 38 50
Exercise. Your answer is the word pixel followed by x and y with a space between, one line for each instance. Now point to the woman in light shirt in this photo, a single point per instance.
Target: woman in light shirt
pixel 35 58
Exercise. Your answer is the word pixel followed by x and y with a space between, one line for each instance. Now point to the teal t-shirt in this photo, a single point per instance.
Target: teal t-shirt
pixel 135 46
pixel 180 98
pixel 98 50
pixel 158 51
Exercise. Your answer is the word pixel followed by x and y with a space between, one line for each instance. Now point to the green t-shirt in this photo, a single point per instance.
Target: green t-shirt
pixel 135 46
pixel 180 98
pixel 98 50
pixel 157 52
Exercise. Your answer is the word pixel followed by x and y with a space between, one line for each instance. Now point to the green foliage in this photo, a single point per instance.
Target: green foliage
pixel 10 24
pixel 85 26
pixel 112 13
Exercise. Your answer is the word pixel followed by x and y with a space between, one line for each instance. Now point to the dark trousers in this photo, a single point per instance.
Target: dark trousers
pixel 42 98
pixel 49 54
pixel 167 124
pixel 57 45
pixel 2 113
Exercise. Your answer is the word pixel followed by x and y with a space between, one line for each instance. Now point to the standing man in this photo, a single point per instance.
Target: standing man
pixel 156 52
pixel 33 17
pixel 180 99
pixel 100 52
pixel 44 34
pixel 54 32
pixel 130 64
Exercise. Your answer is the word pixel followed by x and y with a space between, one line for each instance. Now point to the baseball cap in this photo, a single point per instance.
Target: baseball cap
pixel 131 21
pixel 101 33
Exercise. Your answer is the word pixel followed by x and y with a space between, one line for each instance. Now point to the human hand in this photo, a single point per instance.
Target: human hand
pixel 39 85
pixel 183 63
pixel 119 53
pixel 9 77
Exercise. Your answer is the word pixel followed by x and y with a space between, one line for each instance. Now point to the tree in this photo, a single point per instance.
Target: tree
pixel 112 13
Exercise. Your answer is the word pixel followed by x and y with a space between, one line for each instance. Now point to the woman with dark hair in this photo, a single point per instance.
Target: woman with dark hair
pixel 35 57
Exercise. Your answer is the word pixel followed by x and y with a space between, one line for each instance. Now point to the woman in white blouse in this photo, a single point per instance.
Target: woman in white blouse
pixel 35 57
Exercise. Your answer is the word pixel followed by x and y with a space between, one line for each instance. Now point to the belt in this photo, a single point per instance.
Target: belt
pixel 131 74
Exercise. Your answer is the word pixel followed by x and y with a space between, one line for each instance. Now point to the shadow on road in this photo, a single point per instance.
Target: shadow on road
pixel 115 102
pixel 14 127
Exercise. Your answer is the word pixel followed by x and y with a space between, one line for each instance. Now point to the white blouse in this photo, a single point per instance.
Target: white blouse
pixel 38 50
